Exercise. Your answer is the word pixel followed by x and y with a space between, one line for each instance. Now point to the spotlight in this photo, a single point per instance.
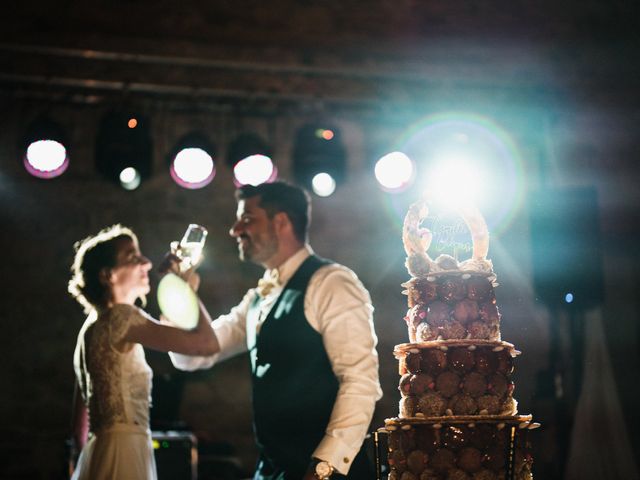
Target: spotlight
pixel 192 168
pixel 45 151
pixel 455 181
pixel 250 157
pixel 191 163
pixel 123 149
pixel 482 144
pixel 323 184
pixel 394 171
pixel 254 170
pixel 130 178
pixel 325 134
pixel 318 150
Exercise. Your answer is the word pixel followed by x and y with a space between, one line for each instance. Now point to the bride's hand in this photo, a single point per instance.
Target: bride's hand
pixel 169 264
pixel 192 278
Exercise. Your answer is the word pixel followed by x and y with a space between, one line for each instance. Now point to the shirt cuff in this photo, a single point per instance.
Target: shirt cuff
pixel 337 453
pixel 190 363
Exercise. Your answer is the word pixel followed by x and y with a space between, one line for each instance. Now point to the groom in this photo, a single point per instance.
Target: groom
pixel 309 332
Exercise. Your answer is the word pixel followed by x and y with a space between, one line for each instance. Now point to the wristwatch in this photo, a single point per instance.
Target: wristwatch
pixel 323 470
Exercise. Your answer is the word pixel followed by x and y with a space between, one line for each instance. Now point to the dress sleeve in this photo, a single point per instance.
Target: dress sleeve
pixel 339 307
pixel 123 316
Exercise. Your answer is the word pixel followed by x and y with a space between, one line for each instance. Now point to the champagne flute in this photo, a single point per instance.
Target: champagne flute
pixel 190 248
pixel 176 299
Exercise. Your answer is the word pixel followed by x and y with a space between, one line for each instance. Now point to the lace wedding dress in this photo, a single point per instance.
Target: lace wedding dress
pixel 116 387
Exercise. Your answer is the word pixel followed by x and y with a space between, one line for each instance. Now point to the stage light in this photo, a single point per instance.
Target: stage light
pixel 454 181
pixel 323 184
pixel 192 168
pixel 123 151
pixel 130 178
pixel 568 298
pixel 318 150
pixel 250 157
pixel 394 171
pixel 324 133
pixel 46 159
pixel 485 145
pixel 44 147
pixel 191 163
pixel 254 170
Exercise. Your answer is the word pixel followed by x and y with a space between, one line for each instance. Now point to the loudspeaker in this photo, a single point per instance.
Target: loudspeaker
pixel 566 246
pixel 176 455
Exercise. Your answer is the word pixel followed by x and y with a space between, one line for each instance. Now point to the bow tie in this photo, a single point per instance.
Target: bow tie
pixel 268 283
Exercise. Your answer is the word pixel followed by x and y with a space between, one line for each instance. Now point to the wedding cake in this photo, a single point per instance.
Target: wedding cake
pixel 458 419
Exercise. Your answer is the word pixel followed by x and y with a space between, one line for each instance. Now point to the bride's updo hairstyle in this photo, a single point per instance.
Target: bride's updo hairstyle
pixel 93 254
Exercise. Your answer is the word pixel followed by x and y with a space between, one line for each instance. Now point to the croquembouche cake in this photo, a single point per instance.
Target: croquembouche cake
pixel 458 419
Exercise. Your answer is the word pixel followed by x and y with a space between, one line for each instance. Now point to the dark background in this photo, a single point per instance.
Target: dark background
pixel 561 79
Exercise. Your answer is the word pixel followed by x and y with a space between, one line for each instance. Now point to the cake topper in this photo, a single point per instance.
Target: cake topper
pixel 417 240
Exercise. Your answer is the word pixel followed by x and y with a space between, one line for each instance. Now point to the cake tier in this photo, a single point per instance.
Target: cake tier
pixel 452 305
pixel 465 448
pixel 456 377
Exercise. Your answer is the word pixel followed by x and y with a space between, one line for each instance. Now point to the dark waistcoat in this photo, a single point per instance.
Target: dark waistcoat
pixel 294 387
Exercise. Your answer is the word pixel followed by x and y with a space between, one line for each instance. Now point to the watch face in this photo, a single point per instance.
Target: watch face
pixel 323 470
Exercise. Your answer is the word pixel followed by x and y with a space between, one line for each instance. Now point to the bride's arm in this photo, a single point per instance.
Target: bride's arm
pixel 79 420
pixel 152 334
pixel 165 337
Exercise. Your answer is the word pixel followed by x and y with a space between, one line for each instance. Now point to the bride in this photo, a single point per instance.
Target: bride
pixel 113 389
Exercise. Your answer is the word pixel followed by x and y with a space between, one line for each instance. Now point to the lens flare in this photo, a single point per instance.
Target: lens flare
pixel 177 301
pixel 488 150
pixel 454 181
